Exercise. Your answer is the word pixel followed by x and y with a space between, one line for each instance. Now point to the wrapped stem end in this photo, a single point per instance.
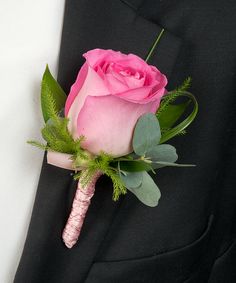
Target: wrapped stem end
pixel 80 206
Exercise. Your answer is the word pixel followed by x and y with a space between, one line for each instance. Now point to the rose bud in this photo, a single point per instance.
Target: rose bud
pixel 111 92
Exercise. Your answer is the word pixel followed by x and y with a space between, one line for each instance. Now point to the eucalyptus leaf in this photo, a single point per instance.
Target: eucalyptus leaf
pixel 51 92
pixel 132 180
pixel 163 152
pixel 148 192
pixel 146 133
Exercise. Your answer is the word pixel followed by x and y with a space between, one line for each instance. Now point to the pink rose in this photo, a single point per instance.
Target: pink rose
pixel 111 92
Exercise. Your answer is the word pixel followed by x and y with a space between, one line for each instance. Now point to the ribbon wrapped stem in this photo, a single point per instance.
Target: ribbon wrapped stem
pixel 80 206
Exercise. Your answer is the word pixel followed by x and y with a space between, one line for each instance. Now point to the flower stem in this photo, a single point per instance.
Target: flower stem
pixel 80 206
pixel 154 45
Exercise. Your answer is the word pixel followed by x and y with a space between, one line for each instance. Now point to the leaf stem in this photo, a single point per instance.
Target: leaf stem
pixel 154 45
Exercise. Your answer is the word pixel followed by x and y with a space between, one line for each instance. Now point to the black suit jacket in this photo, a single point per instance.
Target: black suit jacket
pixel 190 235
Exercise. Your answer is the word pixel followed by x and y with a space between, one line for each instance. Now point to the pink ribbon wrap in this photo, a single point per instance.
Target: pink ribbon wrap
pixel 81 200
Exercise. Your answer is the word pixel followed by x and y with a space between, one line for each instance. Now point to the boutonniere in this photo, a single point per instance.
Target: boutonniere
pixel 115 121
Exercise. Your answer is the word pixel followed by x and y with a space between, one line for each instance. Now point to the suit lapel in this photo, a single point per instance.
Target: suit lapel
pixel 87 25
pixel 110 25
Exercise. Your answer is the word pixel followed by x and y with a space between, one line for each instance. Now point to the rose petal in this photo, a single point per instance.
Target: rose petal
pixel 107 122
pixel 97 56
pixel 93 85
pixel 115 83
pixel 138 95
pixel 133 82
pixel 74 90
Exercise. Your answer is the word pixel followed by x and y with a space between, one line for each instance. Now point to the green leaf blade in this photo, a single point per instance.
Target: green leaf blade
pixel 185 123
pixel 135 166
pixel 160 164
pixel 171 114
pixel 51 93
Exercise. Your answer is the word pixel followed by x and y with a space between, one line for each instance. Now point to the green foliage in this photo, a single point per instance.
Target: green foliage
pixel 173 95
pixel 168 117
pixel 132 180
pixel 38 144
pixel 160 164
pixel 58 138
pixel 163 152
pixel 55 131
pixel 146 133
pixel 153 47
pixel 135 165
pixel 102 163
pixel 148 192
pixel 168 113
pixel 180 128
pixel 52 95
pixel 126 172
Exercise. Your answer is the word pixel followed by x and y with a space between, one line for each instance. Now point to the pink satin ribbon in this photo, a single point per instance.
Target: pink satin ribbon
pixel 80 206
pixel 81 200
pixel 59 159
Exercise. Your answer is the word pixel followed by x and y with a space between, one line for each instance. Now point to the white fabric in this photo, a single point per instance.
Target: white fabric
pixel 30 33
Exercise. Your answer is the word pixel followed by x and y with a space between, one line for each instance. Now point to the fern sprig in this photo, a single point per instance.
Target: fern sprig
pixel 38 144
pixel 50 105
pixel 102 163
pixel 171 96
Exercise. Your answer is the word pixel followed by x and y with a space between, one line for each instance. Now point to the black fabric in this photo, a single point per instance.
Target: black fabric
pixel 190 235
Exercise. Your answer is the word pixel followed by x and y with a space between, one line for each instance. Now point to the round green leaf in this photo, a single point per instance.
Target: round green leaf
pixel 132 180
pixel 148 192
pixel 146 134
pixel 163 152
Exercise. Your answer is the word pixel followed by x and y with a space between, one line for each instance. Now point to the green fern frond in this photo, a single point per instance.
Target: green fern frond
pixel 48 135
pixel 62 146
pixel 77 176
pixel 118 186
pixel 87 176
pixel 59 138
pixel 173 95
pixel 38 144
pixel 63 132
pixel 185 85
pixel 49 102
pixel 102 163
pixel 77 148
